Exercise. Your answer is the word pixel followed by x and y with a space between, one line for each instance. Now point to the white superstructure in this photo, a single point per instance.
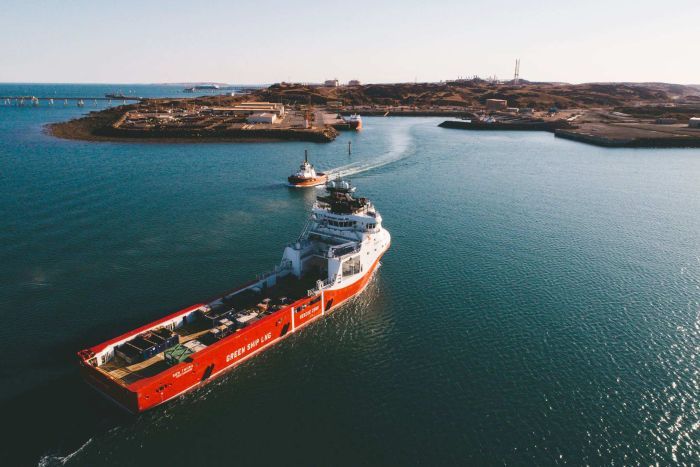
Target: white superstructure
pixel 343 239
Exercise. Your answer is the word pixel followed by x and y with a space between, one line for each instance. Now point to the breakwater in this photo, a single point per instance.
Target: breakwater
pixel 506 126
pixel 625 141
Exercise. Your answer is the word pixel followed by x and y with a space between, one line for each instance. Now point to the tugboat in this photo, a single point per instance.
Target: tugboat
pixel 307 175
pixel 355 121
pixel 332 261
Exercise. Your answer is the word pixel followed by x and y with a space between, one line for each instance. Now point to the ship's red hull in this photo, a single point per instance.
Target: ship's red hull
pixel 356 125
pixel 209 363
pixel 299 182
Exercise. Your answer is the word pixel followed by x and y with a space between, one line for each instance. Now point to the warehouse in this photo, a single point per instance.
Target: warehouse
pixel 262 117
pixel 496 104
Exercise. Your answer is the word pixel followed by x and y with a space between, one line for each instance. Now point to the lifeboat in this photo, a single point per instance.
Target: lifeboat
pixel 307 175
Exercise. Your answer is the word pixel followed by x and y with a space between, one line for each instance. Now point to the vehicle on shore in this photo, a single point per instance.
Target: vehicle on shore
pixel 332 261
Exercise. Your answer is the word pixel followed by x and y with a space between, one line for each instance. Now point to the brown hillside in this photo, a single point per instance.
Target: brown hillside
pixel 475 92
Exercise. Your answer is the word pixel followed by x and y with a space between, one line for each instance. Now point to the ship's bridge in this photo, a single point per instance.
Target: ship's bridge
pixel 339 227
pixel 351 226
pixel 339 203
pixel 340 214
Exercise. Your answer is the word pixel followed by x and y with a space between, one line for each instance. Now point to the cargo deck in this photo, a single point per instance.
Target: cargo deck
pixel 262 303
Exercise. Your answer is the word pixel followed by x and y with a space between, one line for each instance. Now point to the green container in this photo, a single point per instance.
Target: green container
pixel 177 354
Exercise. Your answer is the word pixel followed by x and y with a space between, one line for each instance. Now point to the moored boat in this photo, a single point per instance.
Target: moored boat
pixel 333 260
pixel 354 120
pixel 307 175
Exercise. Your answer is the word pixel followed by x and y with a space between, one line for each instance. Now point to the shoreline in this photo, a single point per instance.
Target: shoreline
pixel 632 142
pixel 634 135
pixel 101 127
pixel 534 125
pixel 233 136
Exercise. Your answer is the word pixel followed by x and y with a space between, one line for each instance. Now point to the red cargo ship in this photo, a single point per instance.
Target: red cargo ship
pixel 333 260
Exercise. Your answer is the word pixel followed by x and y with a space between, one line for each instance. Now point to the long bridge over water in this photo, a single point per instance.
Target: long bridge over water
pixel 36 101
pixel 80 101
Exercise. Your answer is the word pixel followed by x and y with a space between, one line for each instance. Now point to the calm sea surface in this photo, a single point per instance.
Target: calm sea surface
pixel 540 303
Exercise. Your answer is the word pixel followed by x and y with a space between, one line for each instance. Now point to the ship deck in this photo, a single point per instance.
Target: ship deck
pixel 286 291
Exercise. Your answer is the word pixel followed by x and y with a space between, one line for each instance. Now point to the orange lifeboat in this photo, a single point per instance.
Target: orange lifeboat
pixel 307 175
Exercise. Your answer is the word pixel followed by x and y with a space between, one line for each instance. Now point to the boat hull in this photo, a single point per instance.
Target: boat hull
pixel 226 354
pixel 296 182
pixel 356 125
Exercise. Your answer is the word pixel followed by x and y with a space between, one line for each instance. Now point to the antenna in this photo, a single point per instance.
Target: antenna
pixel 516 77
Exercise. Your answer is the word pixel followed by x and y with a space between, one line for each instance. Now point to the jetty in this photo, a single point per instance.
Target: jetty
pixel 71 98
pixel 516 125
pixel 633 135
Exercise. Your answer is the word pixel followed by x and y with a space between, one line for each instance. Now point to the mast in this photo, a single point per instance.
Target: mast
pixel 306 155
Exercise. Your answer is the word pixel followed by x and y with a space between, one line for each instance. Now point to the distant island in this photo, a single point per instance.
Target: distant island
pixel 609 114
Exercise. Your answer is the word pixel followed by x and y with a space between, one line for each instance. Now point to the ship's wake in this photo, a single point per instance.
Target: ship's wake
pixel 398 150
pixel 55 460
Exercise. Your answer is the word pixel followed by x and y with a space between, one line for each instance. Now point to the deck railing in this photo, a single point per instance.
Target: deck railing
pixel 285 265
pixel 320 285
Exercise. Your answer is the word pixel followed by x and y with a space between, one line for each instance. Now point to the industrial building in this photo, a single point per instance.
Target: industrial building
pixel 249 108
pixel 496 104
pixel 694 122
pixel 354 82
pixel 666 121
pixel 262 117
pixel 331 83
pixel 272 107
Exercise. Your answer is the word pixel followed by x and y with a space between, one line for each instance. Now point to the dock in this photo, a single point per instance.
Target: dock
pixel 515 125
pixel 35 101
pixel 633 135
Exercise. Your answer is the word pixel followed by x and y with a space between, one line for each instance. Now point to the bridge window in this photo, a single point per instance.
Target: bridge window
pixel 351 266
pixel 341 223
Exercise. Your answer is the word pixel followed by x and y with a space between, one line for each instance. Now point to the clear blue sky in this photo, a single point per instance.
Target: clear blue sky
pixel 373 41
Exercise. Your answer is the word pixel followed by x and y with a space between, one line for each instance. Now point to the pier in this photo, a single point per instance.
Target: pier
pixel 35 101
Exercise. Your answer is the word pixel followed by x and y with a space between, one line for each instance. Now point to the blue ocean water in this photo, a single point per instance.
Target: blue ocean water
pixel 540 303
